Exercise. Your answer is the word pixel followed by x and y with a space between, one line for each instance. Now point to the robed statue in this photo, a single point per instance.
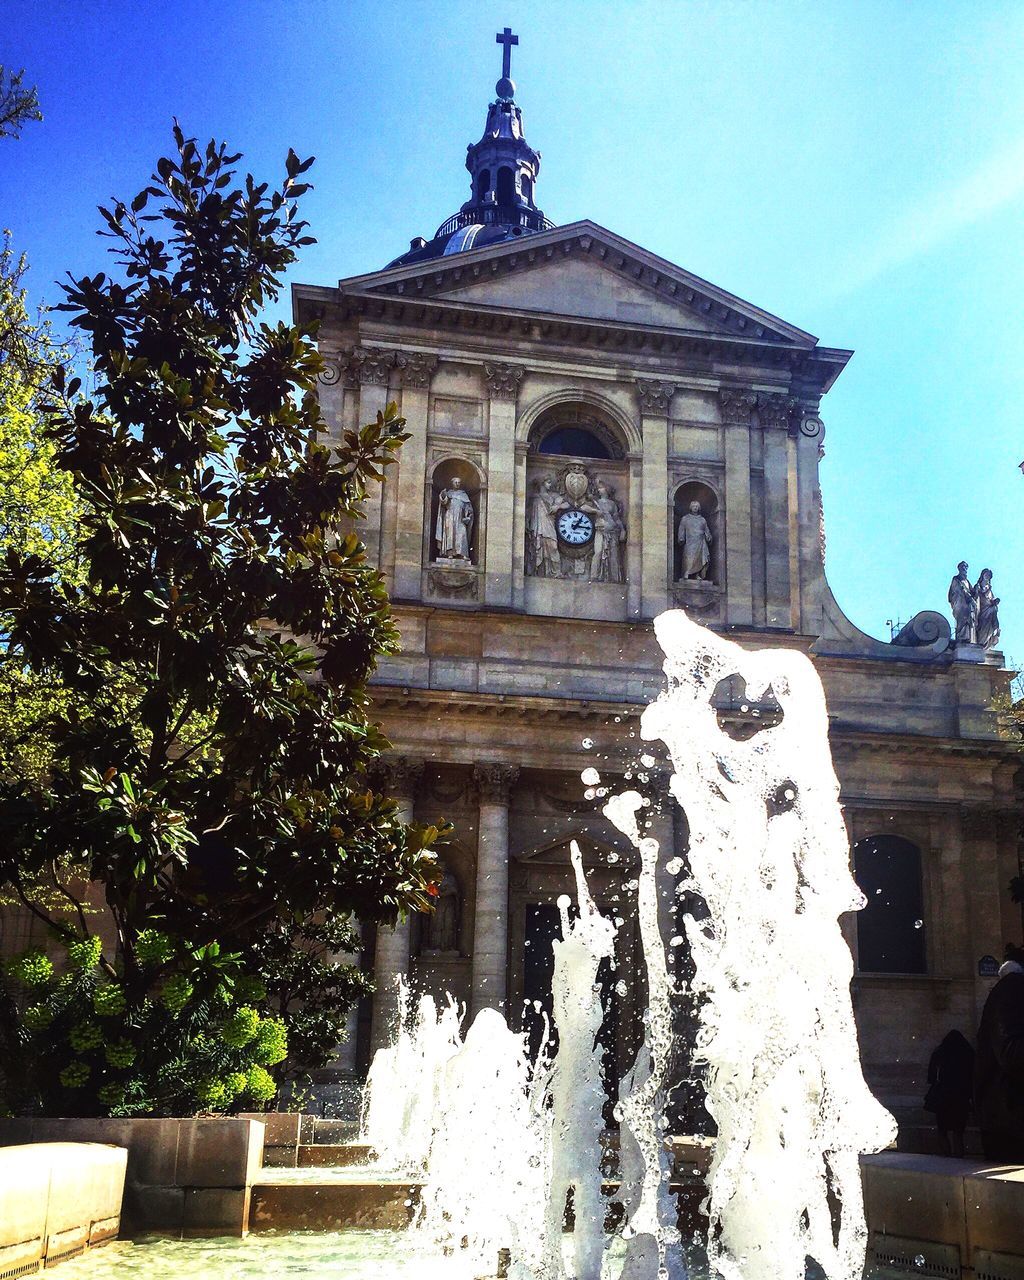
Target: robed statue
pixel 988 610
pixel 454 527
pixel 694 538
pixel 543 559
pixel 963 604
pixel 442 926
pixel 609 535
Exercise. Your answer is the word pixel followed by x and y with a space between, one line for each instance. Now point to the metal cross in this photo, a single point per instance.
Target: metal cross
pixel 507 40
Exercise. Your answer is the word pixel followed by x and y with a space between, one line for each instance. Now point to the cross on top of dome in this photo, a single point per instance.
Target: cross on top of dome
pixel 506 87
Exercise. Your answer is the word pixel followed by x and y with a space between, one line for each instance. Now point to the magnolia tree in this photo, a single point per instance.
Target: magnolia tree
pixel 208 773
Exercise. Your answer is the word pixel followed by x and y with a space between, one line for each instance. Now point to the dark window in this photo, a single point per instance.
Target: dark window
pixel 890 930
pixel 576 442
pixel 483 183
pixel 506 188
pixel 527 187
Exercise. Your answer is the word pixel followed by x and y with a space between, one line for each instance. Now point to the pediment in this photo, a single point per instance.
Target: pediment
pixel 596 853
pixel 584 272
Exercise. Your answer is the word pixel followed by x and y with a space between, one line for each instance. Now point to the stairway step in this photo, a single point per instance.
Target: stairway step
pixel 326 1154
pixel 333 1206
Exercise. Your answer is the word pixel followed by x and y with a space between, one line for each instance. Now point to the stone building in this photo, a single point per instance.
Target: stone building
pixel 597 435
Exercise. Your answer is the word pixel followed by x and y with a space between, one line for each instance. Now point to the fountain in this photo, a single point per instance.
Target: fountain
pixel 768 856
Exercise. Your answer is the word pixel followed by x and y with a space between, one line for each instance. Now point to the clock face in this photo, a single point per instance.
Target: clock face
pixel 575 528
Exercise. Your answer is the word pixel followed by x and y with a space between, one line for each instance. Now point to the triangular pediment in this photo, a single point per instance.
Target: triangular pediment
pixel 596 853
pixel 584 272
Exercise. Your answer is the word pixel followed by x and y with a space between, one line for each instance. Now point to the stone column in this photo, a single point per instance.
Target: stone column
pixel 397 778
pixel 775 412
pixel 490 929
pixel 736 407
pixel 654 570
pixel 520 499
pixel 503 387
pixel 331 393
pixel 372 366
pixel 416 369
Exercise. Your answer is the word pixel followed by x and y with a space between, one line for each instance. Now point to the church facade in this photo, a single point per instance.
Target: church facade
pixel 597 435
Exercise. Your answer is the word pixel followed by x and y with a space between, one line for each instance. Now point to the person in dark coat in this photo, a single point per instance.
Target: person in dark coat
pixel 950 1086
pixel 999 1068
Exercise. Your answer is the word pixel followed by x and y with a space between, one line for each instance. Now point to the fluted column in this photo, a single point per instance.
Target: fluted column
pixel 397 778
pixel 416 369
pixel 490 930
pixel 500 549
pixel 372 367
pixel 736 408
pixel 654 571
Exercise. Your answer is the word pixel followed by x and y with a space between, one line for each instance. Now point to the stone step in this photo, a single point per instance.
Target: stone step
pixel 332 1206
pixel 335 1131
pixel 333 1154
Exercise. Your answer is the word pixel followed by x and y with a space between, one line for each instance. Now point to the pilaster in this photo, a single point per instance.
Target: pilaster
pixel 736 407
pixel 654 571
pixel 490 931
pixel 372 367
pixel 775 412
pixel 501 550
pixel 416 369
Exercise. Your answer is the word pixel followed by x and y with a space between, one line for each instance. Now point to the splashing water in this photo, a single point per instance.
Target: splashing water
pixel 403 1092
pixel 769 855
pixel 503 1140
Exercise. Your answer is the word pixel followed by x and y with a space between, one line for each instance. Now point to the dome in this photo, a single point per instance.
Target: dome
pixel 503 170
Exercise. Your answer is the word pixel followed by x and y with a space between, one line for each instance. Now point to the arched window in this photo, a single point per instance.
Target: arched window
pixel 890 929
pixel 506 187
pixel 576 442
pixel 483 183
pixel 526 183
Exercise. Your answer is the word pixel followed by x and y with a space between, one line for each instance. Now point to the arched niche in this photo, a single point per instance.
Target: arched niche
pixel 703 494
pixel 443 477
pixel 890 928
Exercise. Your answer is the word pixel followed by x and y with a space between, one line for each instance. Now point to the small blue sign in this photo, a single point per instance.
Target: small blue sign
pixel 988 967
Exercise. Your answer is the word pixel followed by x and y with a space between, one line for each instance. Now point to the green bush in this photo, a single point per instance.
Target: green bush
pixel 86 1050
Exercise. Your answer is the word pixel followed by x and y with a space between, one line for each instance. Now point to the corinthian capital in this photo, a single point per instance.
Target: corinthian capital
pixel 398 776
pixel 416 367
pixel 503 380
pixel 775 411
pixel 373 364
pixel 736 406
pixel 495 781
pixel 654 397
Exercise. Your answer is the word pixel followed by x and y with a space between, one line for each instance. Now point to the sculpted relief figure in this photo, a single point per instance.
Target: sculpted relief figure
pixel 963 603
pixel 455 518
pixel 609 535
pixel 543 560
pixel 694 537
pixel 988 610
pixel 442 927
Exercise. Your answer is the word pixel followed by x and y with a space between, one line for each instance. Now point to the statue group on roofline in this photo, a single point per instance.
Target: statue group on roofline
pixel 975 608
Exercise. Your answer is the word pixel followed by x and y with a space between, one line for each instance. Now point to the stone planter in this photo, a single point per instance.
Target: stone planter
pixel 184 1177
pixel 57 1199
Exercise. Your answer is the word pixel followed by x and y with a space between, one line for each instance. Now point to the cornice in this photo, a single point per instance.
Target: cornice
pixel 661 351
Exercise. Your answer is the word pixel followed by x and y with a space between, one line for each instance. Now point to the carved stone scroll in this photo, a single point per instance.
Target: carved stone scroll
pixel 655 397
pixel 495 781
pixel 416 367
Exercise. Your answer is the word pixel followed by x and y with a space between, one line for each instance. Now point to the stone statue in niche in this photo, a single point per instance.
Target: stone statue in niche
pixel 963 604
pixel 694 538
pixel 543 560
pixel 988 610
pixel 609 536
pixel 441 931
pixel 454 528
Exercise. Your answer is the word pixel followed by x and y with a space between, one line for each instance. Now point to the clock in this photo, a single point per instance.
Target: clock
pixel 575 528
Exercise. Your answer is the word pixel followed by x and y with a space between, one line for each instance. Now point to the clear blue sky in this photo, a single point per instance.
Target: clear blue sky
pixel 856 168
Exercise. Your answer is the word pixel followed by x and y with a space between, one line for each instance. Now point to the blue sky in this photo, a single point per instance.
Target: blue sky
pixel 856 168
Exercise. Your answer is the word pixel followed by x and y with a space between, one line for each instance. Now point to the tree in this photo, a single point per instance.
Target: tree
pixel 210 771
pixel 18 105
